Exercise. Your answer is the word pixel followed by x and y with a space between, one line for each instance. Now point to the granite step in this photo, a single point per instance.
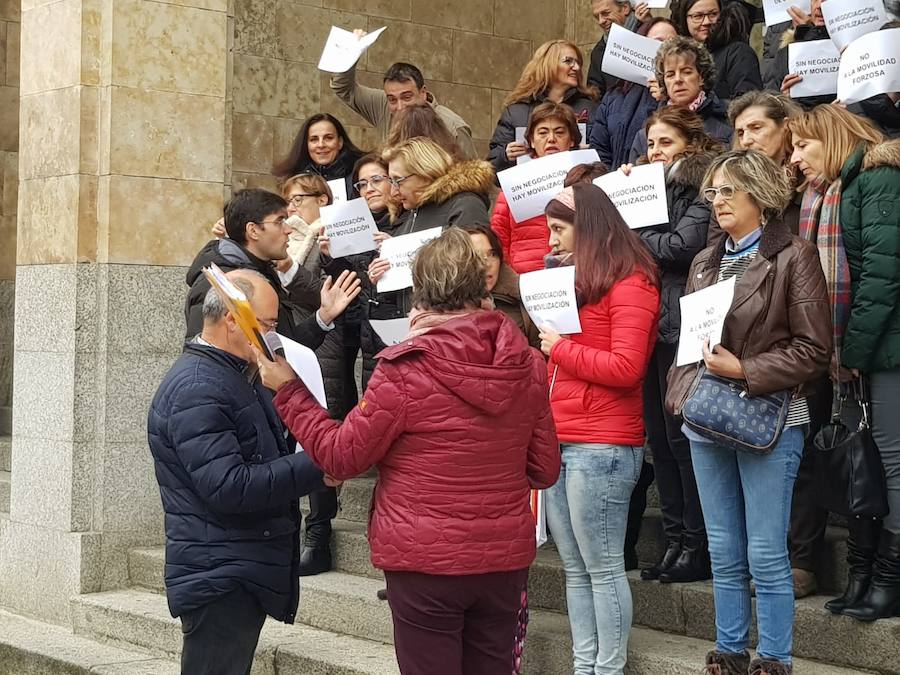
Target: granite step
pixel 142 620
pixel 29 647
pixel 5 453
pixel 681 609
pixel 4 491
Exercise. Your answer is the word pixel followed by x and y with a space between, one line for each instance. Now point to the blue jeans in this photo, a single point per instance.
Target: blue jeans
pixel 587 511
pixel 746 502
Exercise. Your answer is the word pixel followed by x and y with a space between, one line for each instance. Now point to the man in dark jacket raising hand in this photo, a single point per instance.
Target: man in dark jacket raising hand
pixel 229 485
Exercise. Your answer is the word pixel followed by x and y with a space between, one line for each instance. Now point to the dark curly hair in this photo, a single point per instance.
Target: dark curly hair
pixel 682 46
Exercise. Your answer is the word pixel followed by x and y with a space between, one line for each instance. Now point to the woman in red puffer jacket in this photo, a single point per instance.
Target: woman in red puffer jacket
pixel 552 128
pixel 457 419
pixel 596 381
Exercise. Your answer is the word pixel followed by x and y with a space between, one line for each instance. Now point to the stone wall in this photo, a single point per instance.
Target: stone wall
pixel 471 52
pixel 9 178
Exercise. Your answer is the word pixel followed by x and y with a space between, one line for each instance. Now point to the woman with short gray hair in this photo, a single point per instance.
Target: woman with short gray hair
pixel 776 338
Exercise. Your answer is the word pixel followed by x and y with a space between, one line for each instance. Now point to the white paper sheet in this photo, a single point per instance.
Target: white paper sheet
pixel 630 56
pixel 530 187
pixel 350 227
pixel 640 197
pixel 818 62
pixel 776 11
pixel 848 20
pixel 703 318
pixel 870 65
pixel 586 156
pixel 400 251
pixel 338 189
pixel 652 4
pixel 343 49
pixel 391 331
pixel 549 298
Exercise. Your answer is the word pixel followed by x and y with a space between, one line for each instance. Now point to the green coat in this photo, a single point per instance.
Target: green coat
pixel 870 221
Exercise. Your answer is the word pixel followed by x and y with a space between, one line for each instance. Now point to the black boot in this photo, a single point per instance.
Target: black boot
pixel 673 550
pixel 692 564
pixel 720 663
pixel 314 561
pixel 861 546
pixel 883 597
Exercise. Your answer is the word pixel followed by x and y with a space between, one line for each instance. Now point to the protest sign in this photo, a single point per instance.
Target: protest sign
pixel 338 189
pixel 549 297
pixel 629 56
pixel 529 187
pixel 847 20
pixel 350 227
pixel 869 66
pixel 400 251
pixel 703 318
pixel 582 127
pixel 391 331
pixel 343 49
pixel 586 156
pixel 818 62
pixel 640 197
pixel 776 11
pixel 651 4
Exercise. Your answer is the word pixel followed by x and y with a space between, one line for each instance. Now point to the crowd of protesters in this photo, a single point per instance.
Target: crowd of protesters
pixel 796 199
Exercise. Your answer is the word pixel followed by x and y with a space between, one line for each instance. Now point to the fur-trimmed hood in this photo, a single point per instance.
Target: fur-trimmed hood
pixel 883 154
pixel 472 176
pixel 689 171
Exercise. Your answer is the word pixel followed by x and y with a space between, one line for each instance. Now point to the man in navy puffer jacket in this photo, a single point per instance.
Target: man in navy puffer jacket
pixel 229 485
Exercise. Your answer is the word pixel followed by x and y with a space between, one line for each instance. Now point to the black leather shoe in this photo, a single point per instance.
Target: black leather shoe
pixel 314 561
pixel 882 600
pixel 861 547
pixel 673 550
pixel 692 564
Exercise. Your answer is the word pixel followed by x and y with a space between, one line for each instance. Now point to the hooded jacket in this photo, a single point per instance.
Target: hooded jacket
pixel 870 223
pixel 715 124
pixel 458 423
pixel 294 319
pixel 517 115
pixel 598 374
pixel 674 244
pixel 228 483
pixel 524 244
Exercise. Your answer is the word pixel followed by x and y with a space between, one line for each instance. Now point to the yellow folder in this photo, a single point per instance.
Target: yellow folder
pixel 236 302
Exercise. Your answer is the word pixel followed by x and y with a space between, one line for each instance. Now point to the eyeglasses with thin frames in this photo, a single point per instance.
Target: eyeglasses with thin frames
pixel 374 181
pixel 698 17
pixel 297 200
pixel 727 192
pixel 396 182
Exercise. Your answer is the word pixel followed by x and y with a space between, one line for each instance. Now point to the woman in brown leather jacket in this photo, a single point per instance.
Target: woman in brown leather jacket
pixel 777 337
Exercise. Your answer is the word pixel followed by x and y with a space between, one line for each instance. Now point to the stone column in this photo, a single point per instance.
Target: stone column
pixel 122 167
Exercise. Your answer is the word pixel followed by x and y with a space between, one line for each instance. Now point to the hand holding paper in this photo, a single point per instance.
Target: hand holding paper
pixel 630 56
pixel 639 195
pixel 776 11
pixel 549 297
pixel 399 251
pixel 848 20
pixel 870 66
pixel 703 319
pixel 350 227
pixel 343 49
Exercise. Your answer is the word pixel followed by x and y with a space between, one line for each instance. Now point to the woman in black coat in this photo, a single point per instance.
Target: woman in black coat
pixel 677 138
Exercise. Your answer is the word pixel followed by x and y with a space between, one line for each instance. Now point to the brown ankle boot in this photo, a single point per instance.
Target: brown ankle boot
pixel 767 667
pixel 720 663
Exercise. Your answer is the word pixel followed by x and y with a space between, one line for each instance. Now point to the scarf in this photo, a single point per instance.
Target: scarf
pixel 820 223
pixel 421 320
pixel 697 103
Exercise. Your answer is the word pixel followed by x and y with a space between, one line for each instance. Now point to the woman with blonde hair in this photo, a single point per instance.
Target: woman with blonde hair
pixel 851 209
pixel 775 340
pixel 429 190
pixel 421 121
pixel 457 419
pixel 555 73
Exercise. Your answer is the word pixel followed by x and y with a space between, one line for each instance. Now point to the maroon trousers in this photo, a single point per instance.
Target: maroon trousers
pixel 455 625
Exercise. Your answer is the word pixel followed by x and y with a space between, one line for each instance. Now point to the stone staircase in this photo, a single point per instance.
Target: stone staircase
pixel 343 629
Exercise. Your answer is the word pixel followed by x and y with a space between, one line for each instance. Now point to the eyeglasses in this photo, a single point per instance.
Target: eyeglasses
pixel 488 255
pixel 374 182
pixel 278 221
pixel 698 17
pixel 570 61
pixel 727 192
pixel 297 200
pixel 396 182
pixel 269 326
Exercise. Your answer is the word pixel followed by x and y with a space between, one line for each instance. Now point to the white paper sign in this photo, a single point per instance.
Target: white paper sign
pixel 400 251
pixel 639 197
pixel 530 187
pixel 703 318
pixel 776 11
pixel 343 49
pixel 350 227
pixel 818 62
pixel 582 127
pixel 652 4
pixel 869 66
pixel 549 297
pixel 520 135
pixel 338 190
pixel 847 20
pixel 586 156
pixel 630 56
pixel 391 331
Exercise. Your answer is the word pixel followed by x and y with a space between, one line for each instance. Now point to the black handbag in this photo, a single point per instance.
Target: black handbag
pixel 849 474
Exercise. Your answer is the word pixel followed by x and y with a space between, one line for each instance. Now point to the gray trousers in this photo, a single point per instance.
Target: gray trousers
pixel 885 392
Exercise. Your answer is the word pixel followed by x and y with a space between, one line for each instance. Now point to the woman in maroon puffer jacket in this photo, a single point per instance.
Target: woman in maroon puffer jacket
pixel 457 419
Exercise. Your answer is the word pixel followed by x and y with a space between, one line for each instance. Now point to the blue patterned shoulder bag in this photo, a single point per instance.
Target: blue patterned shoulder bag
pixel 721 410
